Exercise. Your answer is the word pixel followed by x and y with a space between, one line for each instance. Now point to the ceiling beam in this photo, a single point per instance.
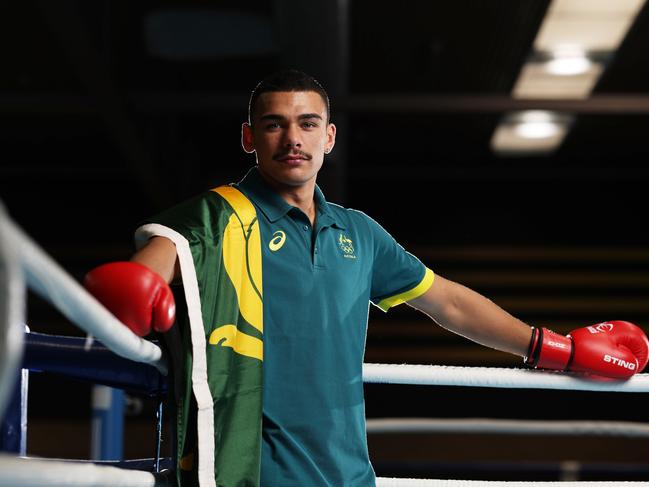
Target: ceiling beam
pixel 597 104
pixel 170 102
pixel 605 104
pixel 439 172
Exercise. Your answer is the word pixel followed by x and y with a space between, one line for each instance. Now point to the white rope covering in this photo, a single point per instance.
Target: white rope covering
pixel 508 426
pixel 23 472
pixel 500 378
pixel 12 313
pixel 30 472
pixel 440 375
pixel 387 482
pixel 50 281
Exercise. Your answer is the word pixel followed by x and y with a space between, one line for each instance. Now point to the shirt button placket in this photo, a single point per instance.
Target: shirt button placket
pixel 307 238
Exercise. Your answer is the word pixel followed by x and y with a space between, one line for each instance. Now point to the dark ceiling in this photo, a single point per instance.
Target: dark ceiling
pixel 112 111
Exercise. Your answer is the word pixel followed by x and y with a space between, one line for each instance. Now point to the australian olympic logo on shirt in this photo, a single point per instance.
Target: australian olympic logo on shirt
pixel 347 246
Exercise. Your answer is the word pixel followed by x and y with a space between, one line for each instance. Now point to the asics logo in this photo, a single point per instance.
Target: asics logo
pixel 277 242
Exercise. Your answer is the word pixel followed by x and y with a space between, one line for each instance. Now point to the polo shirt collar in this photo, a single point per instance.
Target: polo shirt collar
pixel 325 217
pixel 268 201
pixel 274 207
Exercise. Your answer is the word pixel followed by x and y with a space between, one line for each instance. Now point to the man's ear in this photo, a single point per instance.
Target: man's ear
pixel 331 138
pixel 247 141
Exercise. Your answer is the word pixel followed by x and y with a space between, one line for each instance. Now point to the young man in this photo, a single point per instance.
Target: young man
pixel 274 275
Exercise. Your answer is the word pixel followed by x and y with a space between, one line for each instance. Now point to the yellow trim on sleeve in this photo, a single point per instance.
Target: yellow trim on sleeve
pixel 423 286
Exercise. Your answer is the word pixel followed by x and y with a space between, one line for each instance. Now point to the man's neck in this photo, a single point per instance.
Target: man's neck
pixel 303 199
pixel 301 196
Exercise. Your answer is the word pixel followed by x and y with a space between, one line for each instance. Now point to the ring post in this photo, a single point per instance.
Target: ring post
pixel 158 431
pixel 13 429
pixel 107 423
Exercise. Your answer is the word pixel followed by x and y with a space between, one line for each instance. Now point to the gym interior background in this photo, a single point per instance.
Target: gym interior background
pixel 504 142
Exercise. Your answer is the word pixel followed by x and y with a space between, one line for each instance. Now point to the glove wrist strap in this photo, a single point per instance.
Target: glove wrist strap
pixel 549 350
pixel 533 349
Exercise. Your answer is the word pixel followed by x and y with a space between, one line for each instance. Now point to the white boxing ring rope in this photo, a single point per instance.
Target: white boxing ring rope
pixel 442 375
pixel 19 472
pixel 626 429
pixel 30 472
pixel 386 482
pixel 12 312
pixel 498 378
pixel 45 277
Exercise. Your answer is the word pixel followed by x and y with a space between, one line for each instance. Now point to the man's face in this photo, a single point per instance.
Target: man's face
pixel 290 136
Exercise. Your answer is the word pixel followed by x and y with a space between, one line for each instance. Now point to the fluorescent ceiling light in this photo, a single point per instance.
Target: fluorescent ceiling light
pixel 600 7
pixel 595 25
pixel 536 130
pixel 535 124
pixel 560 67
pixel 568 66
pixel 535 81
pixel 568 60
pixel 530 133
pixel 506 142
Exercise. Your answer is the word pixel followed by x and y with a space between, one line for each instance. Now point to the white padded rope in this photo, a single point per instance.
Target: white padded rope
pixel 508 426
pixel 388 482
pixel 499 378
pixel 44 276
pixel 12 312
pixel 30 472
pixel 441 375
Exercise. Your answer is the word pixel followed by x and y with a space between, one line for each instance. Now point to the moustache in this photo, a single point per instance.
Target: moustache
pixel 300 153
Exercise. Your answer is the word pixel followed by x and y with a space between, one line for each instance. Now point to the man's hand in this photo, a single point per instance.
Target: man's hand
pixel 616 349
pixel 137 296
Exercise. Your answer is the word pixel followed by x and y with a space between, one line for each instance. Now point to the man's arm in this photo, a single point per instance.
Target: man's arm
pixel 137 292
pixel 616 349
pixel 159 255
pixel 467 313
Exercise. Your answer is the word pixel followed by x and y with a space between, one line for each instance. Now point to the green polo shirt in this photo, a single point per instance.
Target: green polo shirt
pixel 318 282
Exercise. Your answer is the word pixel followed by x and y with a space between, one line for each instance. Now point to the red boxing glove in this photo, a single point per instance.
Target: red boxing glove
pixel 615 349
pixel 137 296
